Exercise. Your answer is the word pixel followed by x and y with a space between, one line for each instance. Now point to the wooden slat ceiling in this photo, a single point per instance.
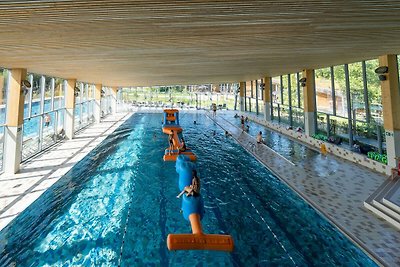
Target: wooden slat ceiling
pixel 128 43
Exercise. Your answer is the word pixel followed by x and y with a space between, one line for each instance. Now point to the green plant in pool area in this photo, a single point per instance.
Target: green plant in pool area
pixel 377 157
pixel 320 137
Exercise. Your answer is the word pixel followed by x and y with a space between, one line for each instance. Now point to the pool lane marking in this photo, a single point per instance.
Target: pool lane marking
pixel 267 147
pixel 235 258
pixel 124 234
pixel 259 214
pixel 265 222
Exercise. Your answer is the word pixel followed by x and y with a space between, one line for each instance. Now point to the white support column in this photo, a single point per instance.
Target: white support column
pixel 309 103
pixel 97 104
pixel 241 94
pixel 267 98
pixel 309 123
pixel 15 118
pixel 70 108
pixel 391 108
pixel 114 91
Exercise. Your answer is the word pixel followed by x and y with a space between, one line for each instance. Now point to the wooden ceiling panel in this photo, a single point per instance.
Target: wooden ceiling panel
pixel 128 43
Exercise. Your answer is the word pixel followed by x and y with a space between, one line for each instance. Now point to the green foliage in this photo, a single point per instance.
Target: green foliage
pixel 377 157
pixel 355 79
pixel 320 137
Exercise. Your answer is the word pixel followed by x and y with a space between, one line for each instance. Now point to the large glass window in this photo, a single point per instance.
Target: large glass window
pixel 48 94
pixel 276 97
pixel 59 93
pixel 360 106
pixel 296 100
pixel 340 91
pixel 374 92
pixel 374 129
pixel 323 90
pixel 357 92
pixel 43 114
pixel 106 103
pixel 78 106
pixel 190 96
pixel 84 101
pixel 294 90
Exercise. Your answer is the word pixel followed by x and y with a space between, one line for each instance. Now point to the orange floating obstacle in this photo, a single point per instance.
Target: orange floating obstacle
pixel 198 240
pixel 193 211
pixel 171 127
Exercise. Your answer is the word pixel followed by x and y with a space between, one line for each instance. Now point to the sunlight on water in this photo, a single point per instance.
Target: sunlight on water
pixel 95 212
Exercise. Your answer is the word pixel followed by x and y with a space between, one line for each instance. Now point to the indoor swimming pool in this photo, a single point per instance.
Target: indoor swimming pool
pixel 117 206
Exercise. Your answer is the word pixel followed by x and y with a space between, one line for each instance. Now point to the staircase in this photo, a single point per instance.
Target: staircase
pixel 385 202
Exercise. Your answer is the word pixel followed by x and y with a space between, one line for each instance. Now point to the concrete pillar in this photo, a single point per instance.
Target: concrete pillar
pixel 267 98
pixel 114 91
pixel 70 108
pixel 391 108
pixel 309 102
pixel 97 102
pixel 242 86
pixel 15 119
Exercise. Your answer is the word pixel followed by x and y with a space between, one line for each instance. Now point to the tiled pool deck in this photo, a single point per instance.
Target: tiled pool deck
pixel 38 174
pixel 334 186
pixel 337 188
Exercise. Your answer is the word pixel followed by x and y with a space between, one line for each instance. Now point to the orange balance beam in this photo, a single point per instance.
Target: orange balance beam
pixel 174 156
pixel 176 129
pixel 198 240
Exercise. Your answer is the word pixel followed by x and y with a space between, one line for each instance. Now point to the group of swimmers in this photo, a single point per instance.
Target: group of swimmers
pixel 243 119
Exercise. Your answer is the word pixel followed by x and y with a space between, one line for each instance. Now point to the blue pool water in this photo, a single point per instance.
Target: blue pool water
pixel 83 219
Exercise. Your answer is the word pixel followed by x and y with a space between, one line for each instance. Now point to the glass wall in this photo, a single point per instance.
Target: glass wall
pixel 84 105
pixel 190 96
pixel 287 100
pixel 349 106
pixel 323 88
pixel 105 101
pixel 260 96
pixel 251 93
pixel 44 112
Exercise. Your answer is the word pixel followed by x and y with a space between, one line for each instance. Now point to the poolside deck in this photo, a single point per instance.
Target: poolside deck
pixel 337 188
pixel 39 173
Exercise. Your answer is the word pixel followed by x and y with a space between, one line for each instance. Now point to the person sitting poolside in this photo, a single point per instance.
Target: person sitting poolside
pixel 183 146
pixel 193 189
pixel 259 138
